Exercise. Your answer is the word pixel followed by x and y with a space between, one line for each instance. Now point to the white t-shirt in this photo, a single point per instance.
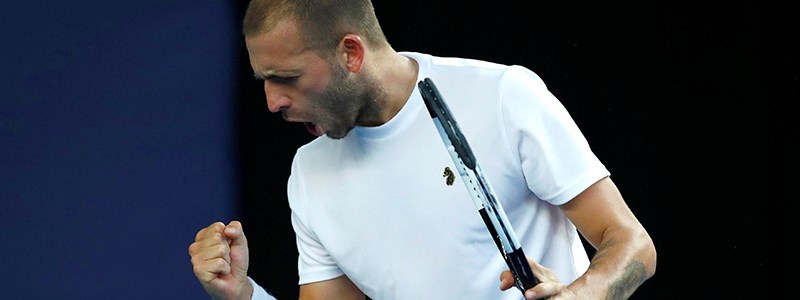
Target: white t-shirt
pixel 375 206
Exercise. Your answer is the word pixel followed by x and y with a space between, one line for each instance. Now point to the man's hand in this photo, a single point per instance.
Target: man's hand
pixel 549 286
pixel 220 259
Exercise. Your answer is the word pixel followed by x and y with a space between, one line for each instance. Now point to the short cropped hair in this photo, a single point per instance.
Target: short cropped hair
pixel 322 22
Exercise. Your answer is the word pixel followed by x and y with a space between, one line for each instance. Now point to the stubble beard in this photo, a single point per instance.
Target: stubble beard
pixel 347 103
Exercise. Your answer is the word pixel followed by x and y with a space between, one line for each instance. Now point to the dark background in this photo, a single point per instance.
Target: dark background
pixel 126 126
pixel 117 143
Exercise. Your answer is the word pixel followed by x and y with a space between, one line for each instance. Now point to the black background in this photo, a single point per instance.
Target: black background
pixel 690 105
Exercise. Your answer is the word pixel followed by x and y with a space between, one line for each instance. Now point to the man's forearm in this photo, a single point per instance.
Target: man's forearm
pixel 620 265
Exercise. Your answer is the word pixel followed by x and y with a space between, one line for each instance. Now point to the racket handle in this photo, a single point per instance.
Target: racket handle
pixel 523 275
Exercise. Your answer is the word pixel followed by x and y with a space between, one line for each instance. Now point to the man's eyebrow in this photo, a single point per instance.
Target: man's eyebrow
pixel 264 75
pixel 272 74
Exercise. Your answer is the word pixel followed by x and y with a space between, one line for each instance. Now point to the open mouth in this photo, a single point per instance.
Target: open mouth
pixel 314 129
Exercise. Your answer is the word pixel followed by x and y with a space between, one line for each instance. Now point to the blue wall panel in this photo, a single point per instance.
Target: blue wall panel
pixel 116 144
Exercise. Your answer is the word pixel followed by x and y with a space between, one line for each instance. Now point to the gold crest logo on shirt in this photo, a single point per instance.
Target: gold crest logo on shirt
pixel 449 175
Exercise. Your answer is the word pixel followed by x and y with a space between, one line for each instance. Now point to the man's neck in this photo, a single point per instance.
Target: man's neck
pixel 399 80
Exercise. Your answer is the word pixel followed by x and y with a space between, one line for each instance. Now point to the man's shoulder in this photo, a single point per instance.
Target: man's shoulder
pixel 455 61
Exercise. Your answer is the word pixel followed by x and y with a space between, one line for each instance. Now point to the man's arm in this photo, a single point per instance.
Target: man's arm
pixel 625 256
pixel 340 288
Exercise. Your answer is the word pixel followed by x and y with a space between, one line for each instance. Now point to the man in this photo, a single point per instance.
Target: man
pixel 373 215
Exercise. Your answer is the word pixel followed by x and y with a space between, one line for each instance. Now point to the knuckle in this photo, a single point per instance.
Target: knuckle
pixel 217 237
pixel 197 270
pixel 193 248
pixel 196 260
pixel 217 226
pixel 215 251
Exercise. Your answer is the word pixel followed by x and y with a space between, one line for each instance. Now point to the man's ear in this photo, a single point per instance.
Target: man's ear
pixel 353 51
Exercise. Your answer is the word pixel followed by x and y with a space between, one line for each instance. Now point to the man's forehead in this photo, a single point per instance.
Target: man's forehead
pixel 277 51
pixel 285 29
pixel 283 38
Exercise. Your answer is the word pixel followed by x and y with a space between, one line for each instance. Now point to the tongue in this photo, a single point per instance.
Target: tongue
pixel 314 129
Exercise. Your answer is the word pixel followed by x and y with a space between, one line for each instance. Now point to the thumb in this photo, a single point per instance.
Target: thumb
pixel 235 233
pixel 240 259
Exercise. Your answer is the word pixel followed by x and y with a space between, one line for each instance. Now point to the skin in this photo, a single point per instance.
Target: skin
pixel 372 84
pixel 625 256
pixel 220 258
pixel 304 87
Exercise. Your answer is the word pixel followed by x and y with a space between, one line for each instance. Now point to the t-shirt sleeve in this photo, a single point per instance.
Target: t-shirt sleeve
pixel 314 263
pixel 556 159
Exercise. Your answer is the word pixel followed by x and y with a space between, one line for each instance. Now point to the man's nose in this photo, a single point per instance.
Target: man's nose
pixel 276 100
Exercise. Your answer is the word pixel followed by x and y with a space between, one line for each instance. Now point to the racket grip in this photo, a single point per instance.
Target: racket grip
pixel 523 275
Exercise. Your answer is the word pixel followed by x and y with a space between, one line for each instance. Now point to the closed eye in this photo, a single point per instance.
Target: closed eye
pixel 282 80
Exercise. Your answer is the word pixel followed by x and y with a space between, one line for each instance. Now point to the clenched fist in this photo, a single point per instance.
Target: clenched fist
pixel 220 259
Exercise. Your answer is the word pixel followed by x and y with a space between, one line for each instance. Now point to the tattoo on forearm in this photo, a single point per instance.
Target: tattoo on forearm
pixel 633 276
pixel 624 286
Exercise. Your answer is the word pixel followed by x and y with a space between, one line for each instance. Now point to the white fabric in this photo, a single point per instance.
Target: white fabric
pixel 375 206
